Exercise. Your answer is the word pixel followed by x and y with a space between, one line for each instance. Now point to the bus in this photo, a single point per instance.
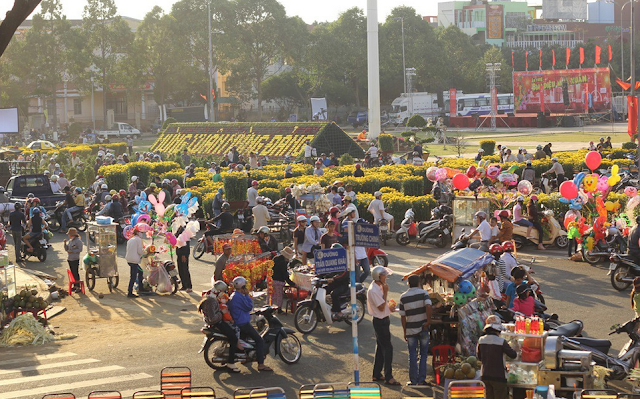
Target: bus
pixel 480 104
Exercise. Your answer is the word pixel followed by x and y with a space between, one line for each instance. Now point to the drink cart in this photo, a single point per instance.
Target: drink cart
pixel 463 210
pixel 100 261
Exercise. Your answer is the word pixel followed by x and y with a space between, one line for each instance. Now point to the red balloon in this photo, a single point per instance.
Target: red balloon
pixel 471 172
pixel 569 190
pixel 460 181
pixel 593 159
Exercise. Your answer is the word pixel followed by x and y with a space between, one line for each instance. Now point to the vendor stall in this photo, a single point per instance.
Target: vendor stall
pixel 100 261
pixel 464 209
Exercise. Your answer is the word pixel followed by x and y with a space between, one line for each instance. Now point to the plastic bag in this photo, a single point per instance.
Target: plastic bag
pixel 413 230
pixel 164 280
pixel 152 279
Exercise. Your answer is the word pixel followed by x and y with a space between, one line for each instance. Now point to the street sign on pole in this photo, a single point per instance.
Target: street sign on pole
pixel 354 320
pixel 331 260
pixel 367 235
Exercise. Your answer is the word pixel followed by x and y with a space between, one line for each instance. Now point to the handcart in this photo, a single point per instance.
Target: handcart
pixel 100 261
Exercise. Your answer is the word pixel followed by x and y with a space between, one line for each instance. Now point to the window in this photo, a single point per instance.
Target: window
pixel 503 100
pixel 403 108
pixel 77 106
pixel 469 102
pixel 118 105
pixel 482 102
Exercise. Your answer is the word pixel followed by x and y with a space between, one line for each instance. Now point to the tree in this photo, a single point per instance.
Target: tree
pixel 107 37
pixel 258 27
pixel 14 18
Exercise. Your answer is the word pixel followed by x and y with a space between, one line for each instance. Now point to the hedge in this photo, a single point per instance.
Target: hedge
pixel 235 186
pixel 385 142
pixel 416 121
pixel 489 146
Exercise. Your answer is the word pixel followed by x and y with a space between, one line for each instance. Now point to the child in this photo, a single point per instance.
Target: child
pixel 506 263
pixel 495 230
pixel 524 303
pixel 517 275
pixel 635 296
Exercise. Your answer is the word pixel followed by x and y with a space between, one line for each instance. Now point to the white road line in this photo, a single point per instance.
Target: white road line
pixel 421 261
pixel 37 358
pixel 61 374
pixel 130 392
pixel 75 385
pixel 49 366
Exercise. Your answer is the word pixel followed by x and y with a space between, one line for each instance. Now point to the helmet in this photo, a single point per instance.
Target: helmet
pixel 554 159
pixel 287 190
pixel 334 209
pixel 61 174
pixel 174 181
pixel 377 194
pixel 220 286
pixel 54 178
pixel 226 206
pixel 112 192
pixel 341 189
pixel 538 147
pixel 57 165
pixel 239 282
pixel 480 214
pixel 122 193
pixel 259 200
pixel 134 178
pixel 378 271
pixel 601 138
pixel 17 205
pixel 302 218
pixel 104 187
pixel 46 172
pixel 35 199
pixel 508 246
pixel 107 198
pixel 336 245
pixel 115 197
pixel 520 198
pixel 30 195
pixel 504 214
pixel 78 190
pixel 314 219
pixel 495 249
pixel 533 198
pixel 358 166
pixel 36 211
pixel 254 183
pixel 264 229
pixel 608 137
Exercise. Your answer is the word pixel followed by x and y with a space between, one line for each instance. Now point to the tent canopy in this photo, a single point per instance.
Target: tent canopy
pixel 454 265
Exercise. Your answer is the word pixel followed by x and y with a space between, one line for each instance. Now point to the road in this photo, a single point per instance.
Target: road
pixel 123 343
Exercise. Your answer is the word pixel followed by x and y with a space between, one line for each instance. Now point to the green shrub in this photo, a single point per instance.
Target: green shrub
pixel 346 159
pixel 488 146
pixel 630 145
pixel 416 121
pixel 116 178
pixel 235 186
pixel 140 169
pixel 386 142
pixel 413 186
pixel 168 121
pixel 73 132
pixel 158 168
pixel 408 133
pixel 272 193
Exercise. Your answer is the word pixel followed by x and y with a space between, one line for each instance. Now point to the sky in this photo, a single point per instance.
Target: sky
pixel 308 10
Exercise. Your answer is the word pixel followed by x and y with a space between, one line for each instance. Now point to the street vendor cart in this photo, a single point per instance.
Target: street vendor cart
pixel 100 261
pixel 464 209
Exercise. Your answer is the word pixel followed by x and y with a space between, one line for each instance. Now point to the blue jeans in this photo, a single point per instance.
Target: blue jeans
pixel 366 269
pixel 136 277
pixel 67 217
pixel 418 374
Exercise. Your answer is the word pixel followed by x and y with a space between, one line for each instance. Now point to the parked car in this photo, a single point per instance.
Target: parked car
pixel 18 187
pixel 41 145
pixel 119 130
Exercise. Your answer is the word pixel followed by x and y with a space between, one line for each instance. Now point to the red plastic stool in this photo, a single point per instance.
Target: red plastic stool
pixel 293 296
pixel 442 354
pixel 73 281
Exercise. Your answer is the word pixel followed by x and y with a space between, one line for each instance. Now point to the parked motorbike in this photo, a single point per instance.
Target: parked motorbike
pixel 385 233
pixel 216 346
pixel 557 236
pixel 434 232
pixel 377 257
pixel 620 365
pixel 622 269
pixel 462 241
pixel 170 267
pixel 40 246
pixel 78 218
pixel 614 241
pixel 318 307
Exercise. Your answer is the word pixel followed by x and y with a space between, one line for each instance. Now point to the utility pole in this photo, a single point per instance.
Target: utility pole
pixel 210 94
pixel 373 67
pixel 491 69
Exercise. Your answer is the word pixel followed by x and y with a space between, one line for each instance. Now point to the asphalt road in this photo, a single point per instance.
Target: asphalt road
pixel 122 343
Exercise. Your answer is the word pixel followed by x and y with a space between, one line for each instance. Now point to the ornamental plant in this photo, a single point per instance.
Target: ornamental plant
pixel 489 146
pixel 235 186
pixel 386 142
pixel 416 121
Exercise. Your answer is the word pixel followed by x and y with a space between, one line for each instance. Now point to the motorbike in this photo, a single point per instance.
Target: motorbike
pixel 78 218
pixel 40 246
pixel 170 267
pixel 548 185
pixel 622 269
pixel 462 241
pixel 377 257
pixel 620 365
pixel 244 219
pixel 614 242
pixel 215 345
pixel 385 233
pixel 434 232
pixel 557 236
pixel 318 307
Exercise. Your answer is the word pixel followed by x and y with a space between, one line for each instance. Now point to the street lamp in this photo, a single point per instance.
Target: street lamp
pixel 93 117
pixel 404 67
pixel 65 79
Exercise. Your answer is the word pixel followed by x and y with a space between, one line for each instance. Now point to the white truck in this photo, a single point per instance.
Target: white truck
pixel 119 130
pixel 423 104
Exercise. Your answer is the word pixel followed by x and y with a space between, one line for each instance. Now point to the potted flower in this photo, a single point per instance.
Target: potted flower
pixel 235 190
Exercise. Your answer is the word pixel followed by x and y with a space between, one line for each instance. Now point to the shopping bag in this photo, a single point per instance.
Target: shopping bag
pixel 152 279
pixel 164 280
pixel 413 230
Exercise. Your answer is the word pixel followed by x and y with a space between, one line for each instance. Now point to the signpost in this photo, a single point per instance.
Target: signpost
pixel 363 235
pixel 330 260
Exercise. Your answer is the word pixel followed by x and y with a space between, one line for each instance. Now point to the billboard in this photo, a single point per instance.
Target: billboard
pixel 536 90
pixel 564 9
pixel 319 109
pixel 9 120
pixel 495 19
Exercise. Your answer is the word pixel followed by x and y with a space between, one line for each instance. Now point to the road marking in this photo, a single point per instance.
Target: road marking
pixel 69 387
pixel 396 265
pixel 61 374
pixel 421 261
pixel 37 358
pixel 49 366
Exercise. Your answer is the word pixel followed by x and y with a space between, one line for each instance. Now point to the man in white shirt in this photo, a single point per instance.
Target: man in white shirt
pixel 376 208
pixel 484 230
pixel 252 194
pixel 379 310
pixel 261 215
pixel 373 151
pixel 556 168
pixel 307 152
pixel 348 208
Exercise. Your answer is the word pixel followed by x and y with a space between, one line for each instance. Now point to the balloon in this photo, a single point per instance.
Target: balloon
pixel 158 203
pixel 593 159
pixel 590 183
pixel 480 172
pixel 631 191
pixel 568 190
pixel 631 205
pixel 477 183
pixel 441 174
pixel 590 243
pixel 431 173
pixel 577 180
pixel 144 219
pixel 509 179
pixel 127 232
pixel 460 181
pixel 609 206
pixel 603 184
pixel 525 187
pixel 493 171
pixel 573 233
pixel 570 218
pixel 171 239
pixel 615 177
pixel 471 172
pixel 143 227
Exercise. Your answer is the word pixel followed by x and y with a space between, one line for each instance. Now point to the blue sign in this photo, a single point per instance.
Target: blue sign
pixel 367 235
pixel 332 260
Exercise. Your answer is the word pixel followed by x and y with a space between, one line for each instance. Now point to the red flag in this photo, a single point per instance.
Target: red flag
pixel 624 85
pixel 632 127
pixel 568 55
pixel 610 54
pixel 540 58
pixel 213 94
pixel 553 52
pixel 581 56
pixel 526 60
pixel 203 97
pixel 598 53
pixel 513 65
pixel 637 85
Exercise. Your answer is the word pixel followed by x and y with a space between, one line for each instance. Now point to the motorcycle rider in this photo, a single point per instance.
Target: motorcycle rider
pixel 528 173
pixel 70 203
pixel 506 263
pixel 483 229
pixel 506 227
pixel 634 245
pixel 240 307
pixel 218 200
pixel 113 208
pixel 376 208
pixel 35 226
pixel 337 287
pixel 534 218
pixel 558 170
pixel 266 241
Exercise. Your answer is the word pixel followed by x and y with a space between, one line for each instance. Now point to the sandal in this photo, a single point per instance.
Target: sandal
pixel 392 382
pixel 232 367
pixel 264 368
pixel 377 379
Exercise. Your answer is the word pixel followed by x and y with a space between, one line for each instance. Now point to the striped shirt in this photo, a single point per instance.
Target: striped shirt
pixel 413 305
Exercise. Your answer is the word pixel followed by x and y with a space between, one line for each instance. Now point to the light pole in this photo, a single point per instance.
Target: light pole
pixel 65 79
pixel 404 67
pixel 93 115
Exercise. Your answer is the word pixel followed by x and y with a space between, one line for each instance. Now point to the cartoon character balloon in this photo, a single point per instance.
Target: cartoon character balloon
pixel 525 187
pixel 431 173
pixel 615 177
pixel 590 183
pixel 631 191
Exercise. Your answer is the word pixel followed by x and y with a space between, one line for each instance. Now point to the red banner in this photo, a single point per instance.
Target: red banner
pixel 553 53
pixel 632 127
pixel 540 58
pixel 527 87
pixel 585 99
pixel 610 53
pixel 598 53
pixel 581 56
pixel 494 100
pixel 568 55
pixel 526 60
pixel 453 99
pixel 513 64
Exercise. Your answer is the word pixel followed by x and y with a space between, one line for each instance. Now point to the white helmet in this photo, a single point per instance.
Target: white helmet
pixel 301 218
pixel 378 271
pixel 220 286
pixel 314 219
pixel 377 194
pixel 46 172
pixel 54 178
pixel 104 187
pixel 134 178
pixel 107 198
pixel 57 165
pixel 264 229
pixel 239 282
pixel 409 214
pixel 520 198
